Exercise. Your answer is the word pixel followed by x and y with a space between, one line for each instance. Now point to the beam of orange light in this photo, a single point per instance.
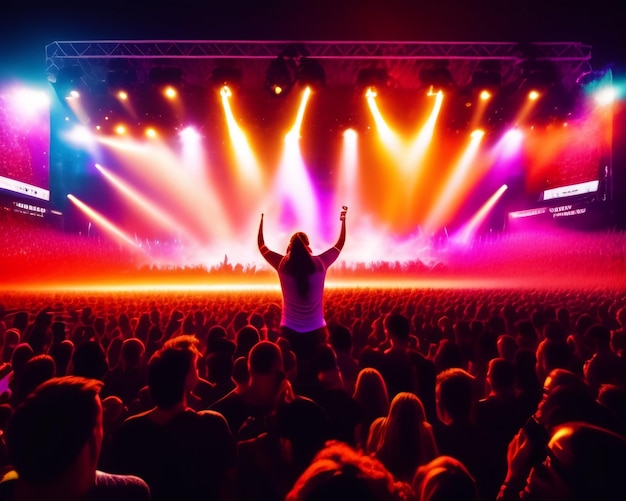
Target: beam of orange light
pixel 249 170
pixel 297 126
pixel 102 221
pixel 144 204
pixel 449 199
pixel 529 103
pixel 467 232
pixel 388 137
pixel 416 159
pixel 484 98
pixel 418 147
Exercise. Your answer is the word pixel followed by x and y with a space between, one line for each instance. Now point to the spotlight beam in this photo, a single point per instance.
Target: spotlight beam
pixel 144 204
pixel 248 166
pixel 102 221
pixel 448 201
pixel 467 232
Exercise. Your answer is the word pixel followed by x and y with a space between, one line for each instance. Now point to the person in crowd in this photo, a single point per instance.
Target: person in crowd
pixel 220 367
pixel 499 416
pixel 618 335
pixel 527 386
pixel 329 392
pixel 269 464
pixel 89 360
pixel 605 366
pixel 444 479
pixel 38 369
pixel 180 453
pixel 579 462
pixel 456 433
pixel 403 440
pixel 340 472
pixel 129 375
pixel 302 276
pixel 405 369
pixel 54 440
pixel 245 338
pixel 370 393
pixel 62 353
pixel 613 397
pixel 259 397
pixel 342 343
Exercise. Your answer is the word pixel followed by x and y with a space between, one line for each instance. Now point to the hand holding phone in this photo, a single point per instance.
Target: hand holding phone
pixel 344 210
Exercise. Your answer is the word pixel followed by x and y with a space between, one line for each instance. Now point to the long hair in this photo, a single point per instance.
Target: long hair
pixel 298 262
pixel 370 392
pixel 405 438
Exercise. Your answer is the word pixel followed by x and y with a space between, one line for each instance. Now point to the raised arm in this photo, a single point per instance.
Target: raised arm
pixel 342 234
pixel 260 238
pixel 273 258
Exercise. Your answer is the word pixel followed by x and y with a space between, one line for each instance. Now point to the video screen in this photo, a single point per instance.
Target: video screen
pixel 25 141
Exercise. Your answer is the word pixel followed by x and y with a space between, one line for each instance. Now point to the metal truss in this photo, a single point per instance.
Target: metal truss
pixel 340 58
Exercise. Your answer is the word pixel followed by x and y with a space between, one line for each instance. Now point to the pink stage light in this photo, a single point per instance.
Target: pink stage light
pixel 294 189
pixel 467 232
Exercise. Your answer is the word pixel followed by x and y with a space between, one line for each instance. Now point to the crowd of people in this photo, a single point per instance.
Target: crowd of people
pixel 481 393
pixel 477 394
pixel 35 252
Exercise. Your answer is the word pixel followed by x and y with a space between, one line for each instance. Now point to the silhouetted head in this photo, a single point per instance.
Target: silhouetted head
pixel 582 462
pixel 299 242
pixel 298 262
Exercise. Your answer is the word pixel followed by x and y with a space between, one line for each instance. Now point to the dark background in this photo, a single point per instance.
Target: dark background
pixel 27 26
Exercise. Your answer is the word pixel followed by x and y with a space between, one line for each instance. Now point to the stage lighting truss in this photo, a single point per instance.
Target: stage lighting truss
pixel 279 66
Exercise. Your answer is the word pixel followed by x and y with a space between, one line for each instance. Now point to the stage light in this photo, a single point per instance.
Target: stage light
pixel 80 135
pixel 151 133
pixel 485 95
pixel 28 103
pixel 437 77
pixel 372 79
pixel 122 95
pixel 68 80
pixel 605 96
pixel 170 92
pixel 120 130
pixel 280 76
pixel 486 79
pixel 189 134
pixel 226 77
pixel 311 74
pixel 533 95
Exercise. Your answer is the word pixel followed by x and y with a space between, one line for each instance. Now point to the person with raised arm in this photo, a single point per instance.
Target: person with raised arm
pixel 302 276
